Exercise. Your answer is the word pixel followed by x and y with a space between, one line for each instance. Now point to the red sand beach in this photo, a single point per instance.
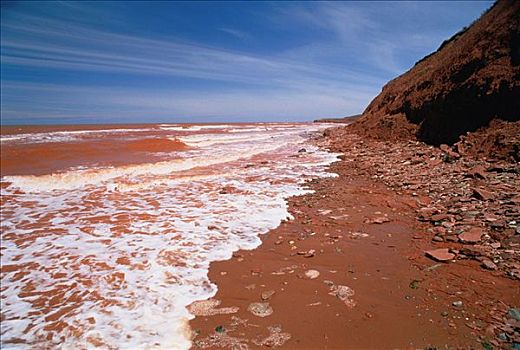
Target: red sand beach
pixel 409 247
pixel 351 270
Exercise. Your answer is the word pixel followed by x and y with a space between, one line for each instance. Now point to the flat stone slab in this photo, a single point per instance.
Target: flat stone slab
pixel 442 254
pixel 474 235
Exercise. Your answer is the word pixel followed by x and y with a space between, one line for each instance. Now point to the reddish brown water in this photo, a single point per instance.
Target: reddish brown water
pixel 108 231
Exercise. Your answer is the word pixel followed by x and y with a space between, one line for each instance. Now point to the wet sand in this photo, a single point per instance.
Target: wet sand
pixel 376 289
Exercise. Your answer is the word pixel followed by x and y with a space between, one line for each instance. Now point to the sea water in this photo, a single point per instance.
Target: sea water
pixel 108 231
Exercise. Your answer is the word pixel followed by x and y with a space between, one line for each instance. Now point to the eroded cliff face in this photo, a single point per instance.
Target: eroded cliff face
pixel 473 78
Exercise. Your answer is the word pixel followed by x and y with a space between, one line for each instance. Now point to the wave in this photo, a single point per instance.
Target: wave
pixel 95 176
pixel 64 136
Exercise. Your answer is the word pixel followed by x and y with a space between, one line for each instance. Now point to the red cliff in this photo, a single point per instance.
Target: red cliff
pixel 470 81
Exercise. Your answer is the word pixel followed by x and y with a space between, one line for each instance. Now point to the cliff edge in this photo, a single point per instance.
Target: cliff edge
pixel 472 81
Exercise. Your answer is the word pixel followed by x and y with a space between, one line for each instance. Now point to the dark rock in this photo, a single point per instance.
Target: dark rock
pixel 514 313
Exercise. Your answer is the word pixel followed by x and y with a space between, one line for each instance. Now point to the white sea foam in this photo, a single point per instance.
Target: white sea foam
pixel 130 247
pixel 65 136
pixel 193 127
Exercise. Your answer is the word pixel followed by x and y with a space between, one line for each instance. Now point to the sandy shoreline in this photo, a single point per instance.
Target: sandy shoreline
pixel 376 288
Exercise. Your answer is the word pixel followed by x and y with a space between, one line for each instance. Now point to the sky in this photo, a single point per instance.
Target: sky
pixel 67 62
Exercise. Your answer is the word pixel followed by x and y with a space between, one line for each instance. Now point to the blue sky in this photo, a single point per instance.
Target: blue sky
pixel 116 62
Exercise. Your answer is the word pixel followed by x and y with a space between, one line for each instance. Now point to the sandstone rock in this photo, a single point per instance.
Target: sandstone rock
pixel 488 264
pixel 310 253
pixel 477 172
pixel 442 254
pixel 378 220
pixel 439 217
pixel 482 194
pixel 474 235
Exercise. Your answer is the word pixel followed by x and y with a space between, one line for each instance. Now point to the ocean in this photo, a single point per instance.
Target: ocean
pixel 107 231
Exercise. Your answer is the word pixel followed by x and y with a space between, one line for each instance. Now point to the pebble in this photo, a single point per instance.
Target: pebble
pixel 312 274
pixel 488 264
pixel 457 303
pixel 310 253
pixel 267 294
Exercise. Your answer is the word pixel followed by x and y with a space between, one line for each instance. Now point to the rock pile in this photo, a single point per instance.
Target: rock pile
pixel 471 205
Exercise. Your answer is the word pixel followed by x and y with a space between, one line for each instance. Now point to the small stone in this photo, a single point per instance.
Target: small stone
pixel 457 303
pixel 502 337
pixel 267 294
pixel 302 150
pixel 444 314
pixel 439 217
pixel 441 254
pixel 415 284
pixel 378 220
pixel 474 235
pixel 312 274
pixel 438 239
pixel 310 253
pixel 488 264
pixel 260 309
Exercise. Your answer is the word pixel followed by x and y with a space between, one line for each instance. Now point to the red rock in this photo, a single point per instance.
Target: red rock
pixel 442 254
pixel 478 172
pixel 476 250
pixel 482 194
pixel 474 235
pixel 378 220
pixel 488 264
pixel 439 217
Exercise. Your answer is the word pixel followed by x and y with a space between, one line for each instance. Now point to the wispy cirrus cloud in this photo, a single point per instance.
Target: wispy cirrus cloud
pixel 235 32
